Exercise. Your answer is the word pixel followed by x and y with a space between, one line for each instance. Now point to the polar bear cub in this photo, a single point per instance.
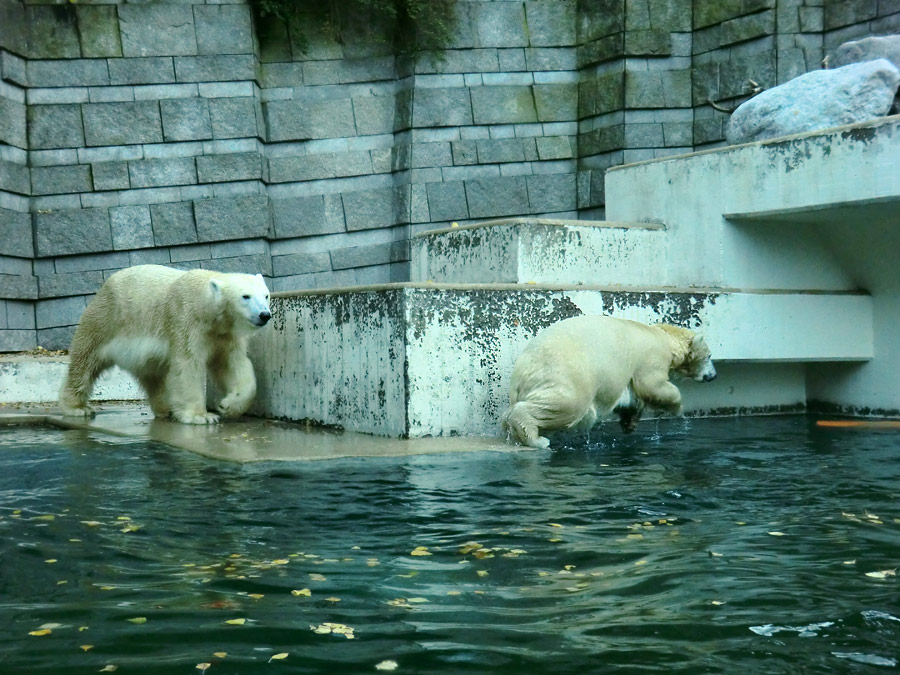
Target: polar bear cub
pixel 580 370
pixel 169 328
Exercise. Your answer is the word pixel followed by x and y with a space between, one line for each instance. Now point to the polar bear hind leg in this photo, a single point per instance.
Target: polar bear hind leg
pixel 233 375
pixel 519 420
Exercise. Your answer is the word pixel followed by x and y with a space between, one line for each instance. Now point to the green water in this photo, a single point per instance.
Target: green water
pixel 705 546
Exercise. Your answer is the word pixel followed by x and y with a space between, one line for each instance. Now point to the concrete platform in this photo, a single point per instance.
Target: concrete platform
pixel 247 439
pixel 37 379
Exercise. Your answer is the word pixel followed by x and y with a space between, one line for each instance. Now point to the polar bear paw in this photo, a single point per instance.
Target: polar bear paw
pixel 83 411
pixel 192 418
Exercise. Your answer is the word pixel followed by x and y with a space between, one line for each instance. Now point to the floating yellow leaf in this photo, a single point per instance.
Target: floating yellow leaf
pixel 714 554
pixel 354 548
pixel 454 593
pixel 60 583
pixel 641 562
pixel 469 547
pixel 336 628
pixel 138 619
pixel 130 527
pixel 305 592
pixel 315 576
pixel 882 574
pixel 420 550
pixel 123 518
pixel 278 657
pixel 776 534
pixel 717 603
pixel 220 655
pixel 108 669
pixel 333 599
pixel 46 517
pixel 373 562
pixel 50 561
pixel 203 667
pixel 280 561
pixel 634 536
pixel 481 573
pixel 417 600
pixel 40 631
pixel 236 622
pixel 399 602
pixel 849 562
pixel 555 525
pixel 386 665
pixel 81 629
pixel 554 540
pixel 256 596
pixel 107 588
pixel 568 568
pixel 91 523
pixel 86 648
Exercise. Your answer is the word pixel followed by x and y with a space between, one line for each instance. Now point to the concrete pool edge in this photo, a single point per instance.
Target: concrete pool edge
pixel 246 439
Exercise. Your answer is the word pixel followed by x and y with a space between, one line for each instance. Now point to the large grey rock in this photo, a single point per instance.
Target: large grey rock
pixel 867 49
pixel 121 123
pixel 817 100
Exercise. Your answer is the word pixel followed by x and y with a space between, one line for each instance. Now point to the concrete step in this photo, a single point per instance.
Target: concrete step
pixel 25 378
pixel 414 360
pixel 543 251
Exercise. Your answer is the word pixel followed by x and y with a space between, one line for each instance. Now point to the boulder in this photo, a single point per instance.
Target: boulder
pixel 867 49
pixel 817 100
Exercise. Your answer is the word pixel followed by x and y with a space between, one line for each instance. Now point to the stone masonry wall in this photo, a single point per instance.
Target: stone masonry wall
pixel 193 134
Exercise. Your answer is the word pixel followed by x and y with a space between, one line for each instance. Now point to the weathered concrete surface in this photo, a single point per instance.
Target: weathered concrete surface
pixel 248 440
pixel 412 360
pixel 812 211
pixel 543 251
pixel 817 100
pixel 37 379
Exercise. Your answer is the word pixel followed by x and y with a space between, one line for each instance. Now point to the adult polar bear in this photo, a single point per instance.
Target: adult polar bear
pixel 580 370
pixel 168 328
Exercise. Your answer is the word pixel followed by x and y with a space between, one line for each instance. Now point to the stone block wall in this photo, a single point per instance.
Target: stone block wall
pixel 194 134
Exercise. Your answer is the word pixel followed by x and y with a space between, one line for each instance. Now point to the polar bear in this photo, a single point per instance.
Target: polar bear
pixel 582 369
pixel 169 328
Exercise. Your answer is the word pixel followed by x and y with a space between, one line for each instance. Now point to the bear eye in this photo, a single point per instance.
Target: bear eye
pixel 246 297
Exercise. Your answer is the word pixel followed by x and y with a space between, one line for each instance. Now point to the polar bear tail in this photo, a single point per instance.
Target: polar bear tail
pixel 519 422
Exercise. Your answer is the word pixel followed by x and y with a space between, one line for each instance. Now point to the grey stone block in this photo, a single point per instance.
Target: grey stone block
pixel 555 147
pixel 441 107
pixel 556 102
pixel 20 315
pixel 98 28
pixel 300 263
pixel 503 105
pixel 145 70
pixel 245 264
pixel 12 67
pixel 122 123
pixel 493 197
pixel 67 285
pixel 447 201
pixel 223 29
pixel 233 117
pixel 149 256
pixel 658 89
pixel 15 25
pixel 110 176
pixel 425 155
pixel 369 209
pixel 157 29
pixel 224 218
pixel 97 261
pixel 222 68
pixel 511 60
pixel 68 73
pixel 551 23
pixel 499 24
pixel 59 311
pixel 17 340
pixel 304 216
pixel 18 286
pixel 748 27
pixel 16 237
pixel 372 254
pixel 54 126
pixel 648 42
pixel 222 168
pixel 56 338
pixel 54 180
pixel 374 114
pixel 173 223
pixel 131 227
pixel 319 166
pixel 302 120
pixel 185 119
pixel 464 152
pixel 72 231
pixel 551 193
pixel 494 151
pixel 147 173
pixel 14 177
pixel 52 32
pixel 192 252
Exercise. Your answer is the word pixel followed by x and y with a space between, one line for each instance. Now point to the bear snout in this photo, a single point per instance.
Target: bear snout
pixel 709 377
pixel 264 317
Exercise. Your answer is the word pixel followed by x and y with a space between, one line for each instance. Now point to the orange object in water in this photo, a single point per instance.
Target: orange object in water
pixel 859 424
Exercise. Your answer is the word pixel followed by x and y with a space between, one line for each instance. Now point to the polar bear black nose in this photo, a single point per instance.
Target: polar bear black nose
pixel 264 317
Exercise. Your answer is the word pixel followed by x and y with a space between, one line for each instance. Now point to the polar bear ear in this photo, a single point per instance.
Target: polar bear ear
pixel 215 288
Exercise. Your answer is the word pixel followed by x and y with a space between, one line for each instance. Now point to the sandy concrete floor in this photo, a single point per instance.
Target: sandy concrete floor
pixel 246 439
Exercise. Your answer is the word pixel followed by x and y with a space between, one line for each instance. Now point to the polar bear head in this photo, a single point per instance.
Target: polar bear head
pixel 698 363
pixel 244 297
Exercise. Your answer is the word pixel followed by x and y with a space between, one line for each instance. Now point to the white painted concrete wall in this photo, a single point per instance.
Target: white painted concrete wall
pixel 37 379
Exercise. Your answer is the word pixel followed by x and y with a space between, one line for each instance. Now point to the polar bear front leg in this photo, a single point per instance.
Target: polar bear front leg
pixel 185 389
pixel 658 392
pixel 238 382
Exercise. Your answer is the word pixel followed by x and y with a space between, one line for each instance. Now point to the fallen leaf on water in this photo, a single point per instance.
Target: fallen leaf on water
pixel 305 592
pixel 641 562
pixel 399 602
pixel 420 550
pixel 130 527
pixel 40 631
pixel 882 574
pixel 50 561
pixel 386 665
pixel 202 667
pixel 336 628
pixel 138 619
pixel 776 534
pixel 850 562
pixel 417 600
pixel 220 655
pixel 554 540
pixel 315 576
pixel 481 573
pixel 332 599
pixel 717 603
pixel 81 629
pixel 454 592
pixel 236 622
pixel 280 561
pixel 555 525
pixel 468 547
pixel 91 523
pixel 108 669
pixel 46 517
pixel 278 657
pixel 256 596
pixel 568 568
pixel 715 554
pixel 86 648
pixel 373 562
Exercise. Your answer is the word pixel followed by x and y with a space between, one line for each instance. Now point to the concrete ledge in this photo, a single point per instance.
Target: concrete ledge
pixel 37 379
